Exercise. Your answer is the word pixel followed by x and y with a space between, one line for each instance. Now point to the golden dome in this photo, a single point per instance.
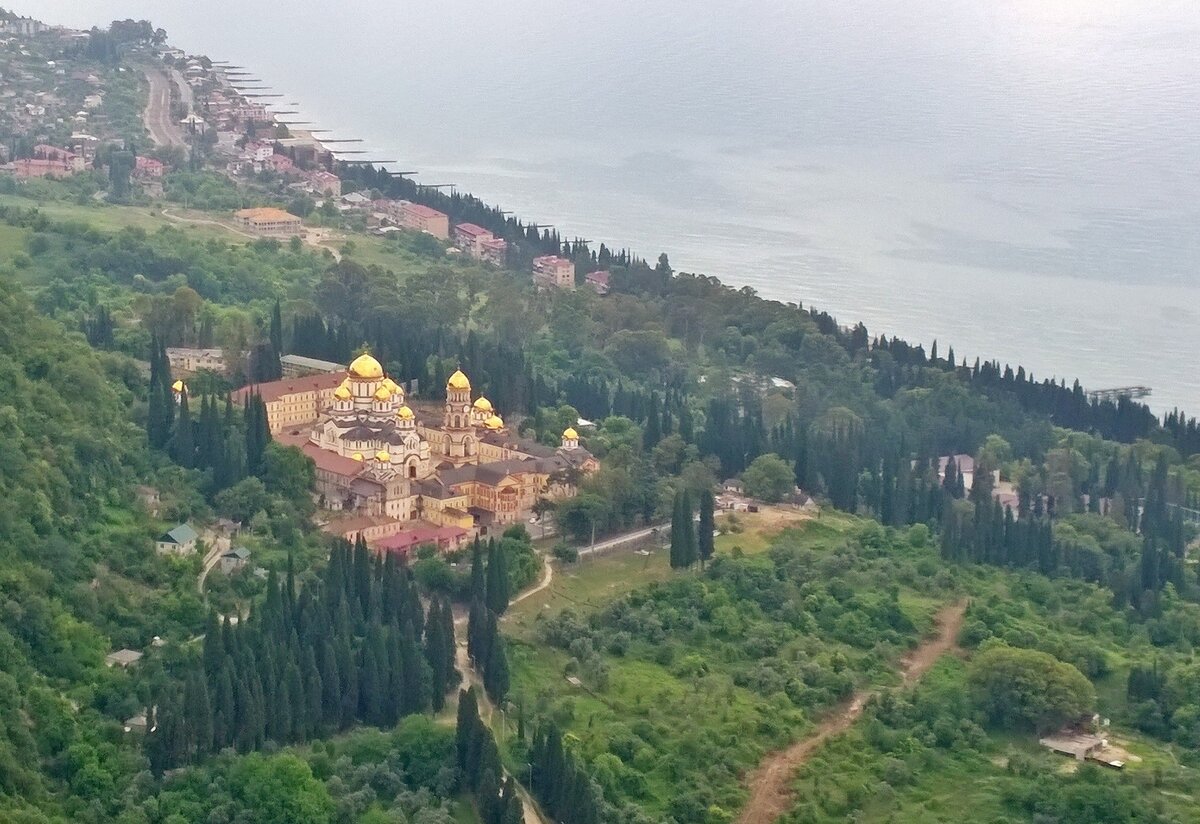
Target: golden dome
pixel 383 457
pixel 357 456
pixel 494 422
pixel 405 413
pixel 391 386
pixel 569 434
pixel 483 404
pixel 458 381
pixel 383 393
pixel 178 386
pixel 365 366
pixel 342 393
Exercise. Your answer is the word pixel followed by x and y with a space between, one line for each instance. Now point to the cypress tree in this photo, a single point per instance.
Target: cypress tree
pixel 476 621
pixel 435 649
pixel 478 583
pixel 487 796
pixel 706 527
pixel 183 439
pixel 449 648
pixel 497 579
pixel 468 713
pixel 495 673
pixel 276 329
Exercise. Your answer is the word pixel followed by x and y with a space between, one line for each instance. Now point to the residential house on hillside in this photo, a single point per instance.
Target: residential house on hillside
pixel 235 559
pixel 180 540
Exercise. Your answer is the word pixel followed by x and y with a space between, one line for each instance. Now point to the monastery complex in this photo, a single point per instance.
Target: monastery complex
pixel 387 468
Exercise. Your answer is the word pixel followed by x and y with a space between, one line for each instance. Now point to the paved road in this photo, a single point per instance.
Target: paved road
pixel 164 131
pixel 623 538
pixel 185 91
pixel 219 547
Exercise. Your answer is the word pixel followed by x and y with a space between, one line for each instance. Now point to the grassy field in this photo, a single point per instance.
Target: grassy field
pixel 107 217
pixel 753 532
pixel 589 584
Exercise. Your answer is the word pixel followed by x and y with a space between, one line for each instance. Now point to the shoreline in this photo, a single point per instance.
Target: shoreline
pixel 762 282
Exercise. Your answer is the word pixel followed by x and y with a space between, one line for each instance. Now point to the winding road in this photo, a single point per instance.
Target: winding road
pixel 770 784
pixel 533 814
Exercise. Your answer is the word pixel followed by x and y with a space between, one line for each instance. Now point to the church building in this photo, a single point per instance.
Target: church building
pixel 394 464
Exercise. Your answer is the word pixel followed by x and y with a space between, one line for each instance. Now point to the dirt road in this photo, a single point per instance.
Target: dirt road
pixel 770 783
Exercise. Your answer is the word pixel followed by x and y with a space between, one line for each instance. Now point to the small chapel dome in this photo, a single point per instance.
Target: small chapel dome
pixel 483 404
pixel 382 393
pixel 391 385
pixel 569 434
pixel 357 456
pixel 365 366
pixel 342 393
pixel 494 422
pixel 179 387
pixel 404 413
pixel 383 457
pixel 458 381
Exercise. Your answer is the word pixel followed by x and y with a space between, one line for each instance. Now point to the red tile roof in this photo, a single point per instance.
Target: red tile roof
pixel 423 211
pixel 471 229
pixel 275 390
pixel 404 542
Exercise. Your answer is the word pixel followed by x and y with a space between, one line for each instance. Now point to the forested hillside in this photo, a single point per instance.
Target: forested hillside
pixel 687 683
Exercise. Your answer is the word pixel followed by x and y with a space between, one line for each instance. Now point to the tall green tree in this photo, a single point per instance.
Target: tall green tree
pixel 706 527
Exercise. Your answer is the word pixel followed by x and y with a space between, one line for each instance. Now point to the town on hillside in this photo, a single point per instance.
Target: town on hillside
pixel 216 135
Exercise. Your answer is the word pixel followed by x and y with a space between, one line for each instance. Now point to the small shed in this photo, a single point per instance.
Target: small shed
pixel 123 658
pixel 227 527
pixel 180 540
pixel 1078 745
pixel 235 559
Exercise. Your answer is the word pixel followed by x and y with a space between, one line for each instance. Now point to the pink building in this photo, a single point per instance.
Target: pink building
pixel 148 167
pixel 468 236
pixel 494 251
pixel 47 161
pixel 424 219
pixel 445 538
pixel 325 183
pixel 598 280
pixel 281 163
pixel 480 244
pixel 553 272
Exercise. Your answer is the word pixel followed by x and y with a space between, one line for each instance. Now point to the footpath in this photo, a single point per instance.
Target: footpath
pixel 770 783
pixel 533 813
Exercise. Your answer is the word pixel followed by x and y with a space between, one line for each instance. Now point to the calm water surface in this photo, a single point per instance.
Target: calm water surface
pixel 1020 179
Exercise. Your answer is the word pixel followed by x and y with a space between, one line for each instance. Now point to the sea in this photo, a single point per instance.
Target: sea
pixel 1019 179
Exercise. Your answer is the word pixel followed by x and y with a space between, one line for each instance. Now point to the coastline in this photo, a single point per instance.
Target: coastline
pixel 877 307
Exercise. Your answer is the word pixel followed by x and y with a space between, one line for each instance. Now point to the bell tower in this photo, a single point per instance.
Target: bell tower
pixel 460 443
